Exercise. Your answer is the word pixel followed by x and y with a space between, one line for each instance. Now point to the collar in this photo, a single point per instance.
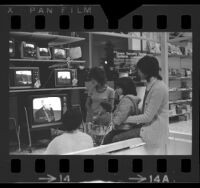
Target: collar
pixel 151 83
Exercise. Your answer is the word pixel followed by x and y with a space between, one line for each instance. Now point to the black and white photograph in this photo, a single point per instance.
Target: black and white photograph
pixel 133 94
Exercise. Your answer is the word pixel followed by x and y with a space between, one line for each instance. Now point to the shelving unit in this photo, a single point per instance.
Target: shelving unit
pixel 18 97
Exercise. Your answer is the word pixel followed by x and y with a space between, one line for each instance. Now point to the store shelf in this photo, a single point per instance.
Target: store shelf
pixel 179 56
pixel 180 89
pixel 180 114
pixel 51 39
pixel 177 77
pixel 180 101
pixel 46 89
pixel 47 60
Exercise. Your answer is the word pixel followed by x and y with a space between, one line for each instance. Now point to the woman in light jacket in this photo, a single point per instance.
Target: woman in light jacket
pixel 154 117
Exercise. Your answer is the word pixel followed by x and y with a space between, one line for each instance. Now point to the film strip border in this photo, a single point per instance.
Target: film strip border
pixel 85 169
pixel 90 18
pixel 122 168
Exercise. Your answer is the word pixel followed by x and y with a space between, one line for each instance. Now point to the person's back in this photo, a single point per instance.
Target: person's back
pixel 72 139
pixel 69 142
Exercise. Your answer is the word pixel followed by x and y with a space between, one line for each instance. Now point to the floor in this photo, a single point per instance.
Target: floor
pixel 182 127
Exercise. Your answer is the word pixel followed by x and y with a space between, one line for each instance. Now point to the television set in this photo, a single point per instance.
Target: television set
pixel 28 50
pixel 11 48
pixel 23 77
pixel 47 110
pixel 63 77
pixel 43 53
pixel 123 74
pixel 59 53
pixel 74 53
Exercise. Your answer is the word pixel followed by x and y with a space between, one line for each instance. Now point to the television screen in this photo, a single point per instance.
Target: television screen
pixel 63 78
pixel 59 53
pixel 23 77
pixel 44 52
pixel 47 110
pixel 28 50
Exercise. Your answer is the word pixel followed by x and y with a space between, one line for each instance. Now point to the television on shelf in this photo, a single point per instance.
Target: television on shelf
pixel 59 53
pixel 43 53
pixel 28 50
pixel 63 77
pixel 11 48
pixel 23 77
pixel 47 110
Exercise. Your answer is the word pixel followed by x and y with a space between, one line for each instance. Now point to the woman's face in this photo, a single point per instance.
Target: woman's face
pixel 141 75
pixel 94 82
pixel 119 91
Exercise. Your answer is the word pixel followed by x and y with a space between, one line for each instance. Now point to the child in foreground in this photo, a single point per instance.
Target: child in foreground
pixel 72 139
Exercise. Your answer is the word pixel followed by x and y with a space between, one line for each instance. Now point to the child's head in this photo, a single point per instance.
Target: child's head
pixel 125 86
pixel 106 107
pixel 72 120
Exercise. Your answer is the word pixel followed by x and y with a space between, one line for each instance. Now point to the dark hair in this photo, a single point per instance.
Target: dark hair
pixel 72 120
pixel 107 106
pixel 149 66
pixel 127 85
pixel 98 74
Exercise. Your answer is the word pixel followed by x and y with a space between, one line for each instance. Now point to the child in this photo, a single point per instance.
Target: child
pixel 101 122
pixel 72 138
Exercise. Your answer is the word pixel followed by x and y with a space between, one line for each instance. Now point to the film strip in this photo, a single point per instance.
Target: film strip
pixel 100 168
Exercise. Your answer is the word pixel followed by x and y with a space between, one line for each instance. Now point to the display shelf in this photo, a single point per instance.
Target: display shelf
pixel 179 56
pixel 177 77
pixel 47 60
pixel 46 89
pixel 180 101
pixel 51 39
pixel 179 89
pixel 175 115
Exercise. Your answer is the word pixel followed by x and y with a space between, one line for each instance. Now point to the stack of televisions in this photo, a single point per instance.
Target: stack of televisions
pixel 29 77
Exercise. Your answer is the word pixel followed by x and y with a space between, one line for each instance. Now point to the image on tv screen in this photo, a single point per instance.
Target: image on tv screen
pixel 23 77
pixel 29 50
pixel 47 110
pixel 44 52
pixel 63 77
pixel 59 53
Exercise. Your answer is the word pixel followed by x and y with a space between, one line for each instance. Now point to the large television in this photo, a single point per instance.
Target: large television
pixel 43 53
pixel 63 77
pixel 59 53
pixel 28 50
pixel 23 77
pixel 47 110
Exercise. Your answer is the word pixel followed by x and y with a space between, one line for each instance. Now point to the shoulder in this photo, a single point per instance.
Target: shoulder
pixel 84 135
pixel 161 86
pixel 110 90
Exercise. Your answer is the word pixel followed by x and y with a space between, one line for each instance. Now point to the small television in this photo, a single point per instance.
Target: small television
pixel 59 53
pixel 43 53
pixel 123 74
pixel 63 77
pixel 11 48
pixel 47 110
pixel 28 50
pixel 23 77
pixel 75 53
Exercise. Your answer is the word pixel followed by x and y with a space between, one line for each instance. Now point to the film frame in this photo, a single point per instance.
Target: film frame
pixel 105 168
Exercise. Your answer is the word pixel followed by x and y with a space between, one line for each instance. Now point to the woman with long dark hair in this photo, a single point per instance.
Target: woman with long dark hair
pixel 155 115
